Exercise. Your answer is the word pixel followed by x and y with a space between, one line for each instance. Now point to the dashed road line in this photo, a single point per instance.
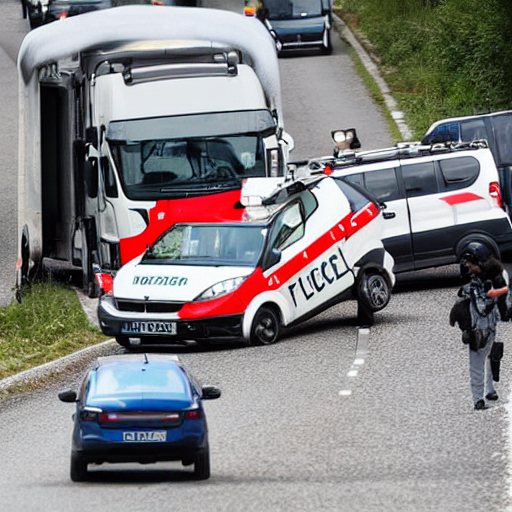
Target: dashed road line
pixel 363 334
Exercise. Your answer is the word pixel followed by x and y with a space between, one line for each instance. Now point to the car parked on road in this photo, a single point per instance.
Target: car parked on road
pixel 439 198
pixel 295 24
pixel 61 9
pixel 139 408
pixel 495 128
pixel 293 253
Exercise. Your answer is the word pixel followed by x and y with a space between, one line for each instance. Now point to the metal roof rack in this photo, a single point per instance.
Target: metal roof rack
pixel 402 150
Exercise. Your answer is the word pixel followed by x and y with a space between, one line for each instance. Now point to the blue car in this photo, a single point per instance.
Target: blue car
pixel 296 24
pixel 139 408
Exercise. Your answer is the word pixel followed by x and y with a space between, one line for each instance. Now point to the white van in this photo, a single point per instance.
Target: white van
pixel 439 198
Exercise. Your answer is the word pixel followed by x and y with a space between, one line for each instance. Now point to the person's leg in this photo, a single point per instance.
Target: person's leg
pixel 480 371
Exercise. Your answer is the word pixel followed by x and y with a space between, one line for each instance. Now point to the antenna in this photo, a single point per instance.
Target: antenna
pixel 146 361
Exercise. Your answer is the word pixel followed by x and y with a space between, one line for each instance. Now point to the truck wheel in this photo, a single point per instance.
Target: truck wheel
pixel 78 470
pixel 265 327
pixel 202 465
pixel 374 290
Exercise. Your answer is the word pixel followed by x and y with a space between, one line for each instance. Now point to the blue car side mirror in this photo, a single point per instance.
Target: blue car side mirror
pixel 67 396
pixel 210 392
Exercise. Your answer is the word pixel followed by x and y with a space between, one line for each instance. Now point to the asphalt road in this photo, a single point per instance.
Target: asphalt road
pixel 313 423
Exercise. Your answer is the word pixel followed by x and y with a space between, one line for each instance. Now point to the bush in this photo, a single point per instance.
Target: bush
pixel 441 57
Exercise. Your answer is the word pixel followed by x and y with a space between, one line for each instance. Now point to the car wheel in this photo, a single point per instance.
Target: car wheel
pixel 124 341
pixel 202 465
pixel 374 290
pixel 78 471
pixel 265 327
pixel 327 46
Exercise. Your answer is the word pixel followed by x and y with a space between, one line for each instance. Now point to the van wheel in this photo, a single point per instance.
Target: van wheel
pixel 374 290
pixel 265 327
pixel 327 47
pixel 485 240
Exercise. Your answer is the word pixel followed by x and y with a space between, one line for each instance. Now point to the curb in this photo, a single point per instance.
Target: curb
pixel 371 67
pixel 52 368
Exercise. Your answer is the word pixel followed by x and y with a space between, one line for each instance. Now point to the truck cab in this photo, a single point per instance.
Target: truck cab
pixel 140 126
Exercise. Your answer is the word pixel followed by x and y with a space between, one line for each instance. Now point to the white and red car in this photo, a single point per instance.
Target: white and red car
pixel 291 254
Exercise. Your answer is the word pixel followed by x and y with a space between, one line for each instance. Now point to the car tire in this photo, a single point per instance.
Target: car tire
pixel 265 327
pixel 327 49
pixel 485 240
pixel 374 290
pixel 78 469
pixel 202 465
pixel 124 341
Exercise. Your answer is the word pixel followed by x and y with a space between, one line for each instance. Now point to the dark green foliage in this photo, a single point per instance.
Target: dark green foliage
pixel 441 57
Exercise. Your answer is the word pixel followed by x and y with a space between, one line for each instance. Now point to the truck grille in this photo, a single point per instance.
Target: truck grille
pixel 134 306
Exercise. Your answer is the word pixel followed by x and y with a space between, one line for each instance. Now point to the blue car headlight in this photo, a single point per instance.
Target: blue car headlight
pixel 221 288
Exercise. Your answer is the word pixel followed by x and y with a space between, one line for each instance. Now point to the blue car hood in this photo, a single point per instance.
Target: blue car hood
pixel 298 25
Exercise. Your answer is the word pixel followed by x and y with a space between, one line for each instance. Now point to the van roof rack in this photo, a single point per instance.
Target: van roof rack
pixel 402 150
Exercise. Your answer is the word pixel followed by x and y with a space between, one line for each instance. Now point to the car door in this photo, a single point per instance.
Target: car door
pixel 431 217
pixel 382 182
pixel 311 270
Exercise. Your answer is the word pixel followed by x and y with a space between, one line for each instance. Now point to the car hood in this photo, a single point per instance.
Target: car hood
pixel 302 25
pixel 180 283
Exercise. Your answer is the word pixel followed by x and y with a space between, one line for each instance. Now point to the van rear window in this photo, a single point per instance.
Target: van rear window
pixel 459 172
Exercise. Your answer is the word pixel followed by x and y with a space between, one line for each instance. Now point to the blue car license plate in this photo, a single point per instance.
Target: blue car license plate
pixel 152 436
pixel 149 328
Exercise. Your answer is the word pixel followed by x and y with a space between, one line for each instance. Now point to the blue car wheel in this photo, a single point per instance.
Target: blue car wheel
pixel 78 468
pixel 202 465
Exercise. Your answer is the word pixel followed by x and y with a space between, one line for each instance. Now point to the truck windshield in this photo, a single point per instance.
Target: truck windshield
pixel 285 9
pixel 162 157
pixel 208 244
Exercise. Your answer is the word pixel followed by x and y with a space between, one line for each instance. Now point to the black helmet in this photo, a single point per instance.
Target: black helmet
pixel 476 253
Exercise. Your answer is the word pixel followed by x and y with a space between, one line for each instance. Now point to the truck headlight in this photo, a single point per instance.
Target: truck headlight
pixel 222 288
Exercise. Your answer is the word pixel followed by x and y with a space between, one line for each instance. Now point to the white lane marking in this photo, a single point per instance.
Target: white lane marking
pixel 361 350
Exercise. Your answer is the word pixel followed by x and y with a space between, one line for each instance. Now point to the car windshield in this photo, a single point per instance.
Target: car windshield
pixel 162 157
pixel 208 245
pixel 285 9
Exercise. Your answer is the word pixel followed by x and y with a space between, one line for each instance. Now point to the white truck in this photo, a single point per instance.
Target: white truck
pixel 133 119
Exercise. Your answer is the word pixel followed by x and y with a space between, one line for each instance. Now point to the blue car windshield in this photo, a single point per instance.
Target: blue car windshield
pixel 285 9
pixel 208 245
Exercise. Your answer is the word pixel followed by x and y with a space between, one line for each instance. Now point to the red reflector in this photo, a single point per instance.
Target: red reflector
pixel 193 415
pixel 109 417
pixel 63 15
pixel 105 282
pixel 495 193
pixel 327 170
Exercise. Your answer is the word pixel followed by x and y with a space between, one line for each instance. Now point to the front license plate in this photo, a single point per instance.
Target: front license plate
pixel 158 436
pixel 149 328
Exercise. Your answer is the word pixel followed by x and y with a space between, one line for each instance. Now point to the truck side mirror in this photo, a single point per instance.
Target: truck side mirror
pixel 91 177
pixel 91 136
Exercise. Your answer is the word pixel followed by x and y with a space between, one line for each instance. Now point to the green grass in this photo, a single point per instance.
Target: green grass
pixel 49 323
pixel 440 58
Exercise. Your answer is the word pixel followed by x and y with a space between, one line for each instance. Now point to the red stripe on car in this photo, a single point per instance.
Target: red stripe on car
pixel 236 302
pixel 465 197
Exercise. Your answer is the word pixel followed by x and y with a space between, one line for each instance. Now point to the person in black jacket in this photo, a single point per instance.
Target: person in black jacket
pixel 484 297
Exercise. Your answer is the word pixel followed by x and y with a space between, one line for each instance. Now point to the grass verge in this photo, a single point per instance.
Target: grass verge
pixel 49 323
